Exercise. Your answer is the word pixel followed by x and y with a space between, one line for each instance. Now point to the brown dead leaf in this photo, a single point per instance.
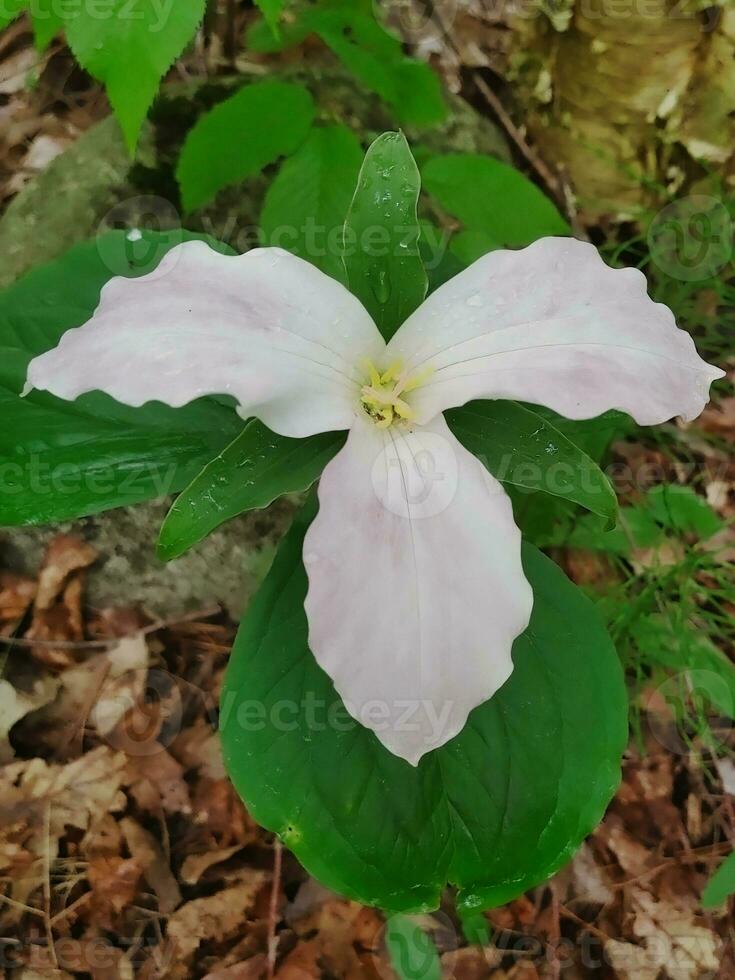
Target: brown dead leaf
pixel 195 865
pixel 16 704
pixel 252 969
pixel 124 682
pixel 57 610
pixel 114 883
pixel 64 555
pixel 470 963
pixel 302 963
pixel 346 933
pixel 149 855
pixel 671 941
pixel 16 595
pixel 38 802
pixel 718 417
pixel 157 782
pixel 218 807
pixel 214 918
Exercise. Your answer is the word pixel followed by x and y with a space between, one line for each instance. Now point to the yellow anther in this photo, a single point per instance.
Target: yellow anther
pixel 403 410
pixel 372 372
pixel 381 397
pixel 392 374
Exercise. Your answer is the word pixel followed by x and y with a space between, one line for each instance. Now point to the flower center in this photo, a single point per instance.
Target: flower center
pixel 381 395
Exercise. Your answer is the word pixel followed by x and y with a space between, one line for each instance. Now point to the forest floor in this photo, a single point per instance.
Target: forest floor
pixel 124 850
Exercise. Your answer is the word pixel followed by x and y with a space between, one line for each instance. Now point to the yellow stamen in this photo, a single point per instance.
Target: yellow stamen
pixel 381 397
pixel 418 379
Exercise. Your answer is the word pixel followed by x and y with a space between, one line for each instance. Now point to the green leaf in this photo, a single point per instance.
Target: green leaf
pixel 381 234
pixel 370 52
pixel 252 471
pixel 413 954
pixel 495 811
pixel 240 136
pixel 665 508
pixel 10 10
pixel 493 200
pixel 130 48
pixel 679 508
pixel 47 22
pixel 721 885
pixel 521 448
pixel 271 10
pixel 683 650
pixel 305 205
pixel 60 460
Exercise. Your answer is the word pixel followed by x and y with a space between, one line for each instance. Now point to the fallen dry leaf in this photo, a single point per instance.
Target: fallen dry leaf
pixel 671 941
pixel 195 865
pixel 214 917
pixel 16 595
pixel 15 704
pixel 114 883
pixel 147 852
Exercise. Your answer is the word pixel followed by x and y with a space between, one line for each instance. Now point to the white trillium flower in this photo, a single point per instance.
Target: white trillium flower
pixel 416 589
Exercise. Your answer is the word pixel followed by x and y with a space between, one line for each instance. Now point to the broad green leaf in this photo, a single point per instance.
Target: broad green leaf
pixel 271 10
pixel 240 136
pixel 520 447
pixel 412 951
pixel 130 48
pixel 372 54
pixel 471 244
pixel 440 263
pixel 381 234
pixel 11 9
pixel 721 885
pixel 665 509
pixel 491 199
pixel 252 471
pixel 495 811
pixel 305 205
pixel 47 22
pixel 680 509
pixel 60 460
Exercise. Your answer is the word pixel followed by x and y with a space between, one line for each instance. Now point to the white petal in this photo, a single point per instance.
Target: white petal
pixel 416 589
pixel 266 327
pixel 552 324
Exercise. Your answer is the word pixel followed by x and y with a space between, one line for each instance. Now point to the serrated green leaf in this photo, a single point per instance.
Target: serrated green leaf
pixel 130 48
pixel 251 472
pixel 537 763
pixel 240 136
pixel 60 460
pixel 381 251
pixel 305 205
pixel 721 885
pixel 522 448
pixel 493 200
pixel 371 53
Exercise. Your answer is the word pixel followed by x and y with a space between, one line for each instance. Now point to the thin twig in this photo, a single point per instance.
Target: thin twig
pixel 160 624
pixel 531 157
pixel 47 885
pixel 273 908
